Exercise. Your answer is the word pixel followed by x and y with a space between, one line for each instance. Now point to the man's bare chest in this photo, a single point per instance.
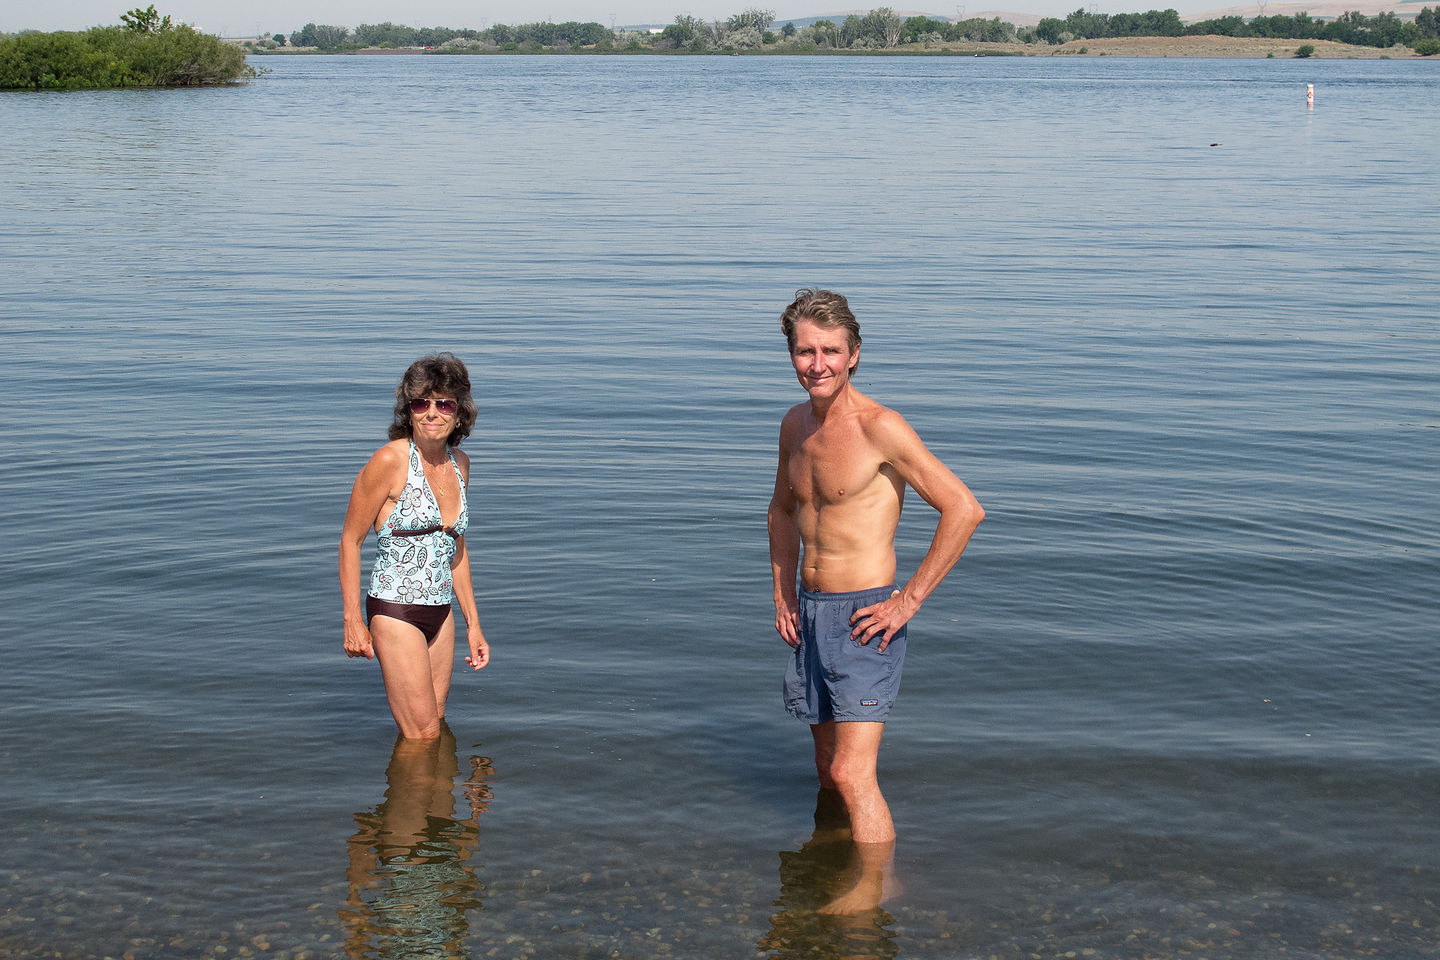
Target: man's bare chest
pixel 835 470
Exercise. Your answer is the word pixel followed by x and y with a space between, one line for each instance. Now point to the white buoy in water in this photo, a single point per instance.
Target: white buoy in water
pixel 1310 95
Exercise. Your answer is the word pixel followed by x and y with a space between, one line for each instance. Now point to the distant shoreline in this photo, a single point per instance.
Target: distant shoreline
pixel 1203 47
pixel 1223 48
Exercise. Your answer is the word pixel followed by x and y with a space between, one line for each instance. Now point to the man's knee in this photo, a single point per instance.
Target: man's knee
pixel 850 772
pixel 857 750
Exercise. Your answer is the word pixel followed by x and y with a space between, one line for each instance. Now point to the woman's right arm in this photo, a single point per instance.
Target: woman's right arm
pixel 371 491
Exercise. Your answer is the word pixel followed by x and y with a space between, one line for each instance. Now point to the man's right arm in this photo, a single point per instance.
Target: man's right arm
pixel 784 549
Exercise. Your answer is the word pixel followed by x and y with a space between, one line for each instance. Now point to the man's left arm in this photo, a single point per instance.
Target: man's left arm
pixel 960 514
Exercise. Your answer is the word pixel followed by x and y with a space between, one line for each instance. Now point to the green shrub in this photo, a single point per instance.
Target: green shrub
pixel 182 57
pixel 1427 47
pixel 106 57
pixel 1306 50
pixel 57 61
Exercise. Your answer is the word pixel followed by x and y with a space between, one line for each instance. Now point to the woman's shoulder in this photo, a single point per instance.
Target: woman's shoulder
pixel 394 455
pixel 462 460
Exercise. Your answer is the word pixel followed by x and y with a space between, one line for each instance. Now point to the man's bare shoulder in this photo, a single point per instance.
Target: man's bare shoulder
pixel 887 430
pixel 880 418
pixel 796 412
pixel 793 421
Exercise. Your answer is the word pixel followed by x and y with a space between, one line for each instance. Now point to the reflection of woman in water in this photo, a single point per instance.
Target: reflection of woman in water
pixel 411 882
pixel 412 494
pixel 830 893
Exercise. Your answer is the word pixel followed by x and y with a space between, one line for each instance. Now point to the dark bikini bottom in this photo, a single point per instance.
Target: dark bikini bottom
pixel 425 617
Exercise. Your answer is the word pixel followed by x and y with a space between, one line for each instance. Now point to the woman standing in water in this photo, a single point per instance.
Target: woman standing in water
pixel 412 494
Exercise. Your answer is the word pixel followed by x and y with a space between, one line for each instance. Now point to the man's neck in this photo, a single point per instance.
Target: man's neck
pixel 821 409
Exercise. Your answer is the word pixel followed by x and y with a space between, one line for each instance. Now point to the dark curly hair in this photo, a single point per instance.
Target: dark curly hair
pixel 438 373
pixel 825 308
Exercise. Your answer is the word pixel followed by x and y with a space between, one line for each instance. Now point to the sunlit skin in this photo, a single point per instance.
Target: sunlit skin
pixel 844 464
pixel 852 887
pixel 416 674
pixel 867 881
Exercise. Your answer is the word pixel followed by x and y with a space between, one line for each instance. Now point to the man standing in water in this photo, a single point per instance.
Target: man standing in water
pixel 845 461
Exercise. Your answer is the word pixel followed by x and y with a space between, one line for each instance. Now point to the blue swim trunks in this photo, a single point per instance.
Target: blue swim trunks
pixel 830 676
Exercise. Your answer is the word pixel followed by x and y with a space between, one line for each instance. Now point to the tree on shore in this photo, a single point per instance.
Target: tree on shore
pixel 922 29
pixel 889 24
pixel 1427 23
pixel 322 36
pixel 879 28
pixel 1382 30
pixel 754 17
pixel 389 34
pixel 145 21
pixel 827 30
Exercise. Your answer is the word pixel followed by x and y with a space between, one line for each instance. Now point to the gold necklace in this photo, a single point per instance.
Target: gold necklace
pixel 435 484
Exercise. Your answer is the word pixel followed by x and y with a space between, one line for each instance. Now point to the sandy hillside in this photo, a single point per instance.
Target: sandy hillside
pixel 1324 9
pixel 1214 47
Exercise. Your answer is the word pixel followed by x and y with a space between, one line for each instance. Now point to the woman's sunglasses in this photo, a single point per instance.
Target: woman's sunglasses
pixel 446 408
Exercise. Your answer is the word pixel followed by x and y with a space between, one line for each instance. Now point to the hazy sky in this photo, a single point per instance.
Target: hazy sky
pixel 235 18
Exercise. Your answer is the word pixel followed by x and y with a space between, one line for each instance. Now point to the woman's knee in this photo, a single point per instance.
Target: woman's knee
pixel 422 732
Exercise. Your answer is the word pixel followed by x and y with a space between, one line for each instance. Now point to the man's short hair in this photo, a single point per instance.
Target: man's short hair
pixel 824 308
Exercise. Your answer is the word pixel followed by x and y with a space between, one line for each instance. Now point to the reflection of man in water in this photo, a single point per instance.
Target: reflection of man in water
pixel 810 879
pixel 411 881
pixel 845 462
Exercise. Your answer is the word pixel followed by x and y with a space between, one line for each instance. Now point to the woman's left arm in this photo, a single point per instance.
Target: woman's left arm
pixel 465 588
pixel 465 593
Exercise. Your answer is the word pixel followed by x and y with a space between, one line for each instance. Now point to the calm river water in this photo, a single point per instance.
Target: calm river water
pixel 1178 332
